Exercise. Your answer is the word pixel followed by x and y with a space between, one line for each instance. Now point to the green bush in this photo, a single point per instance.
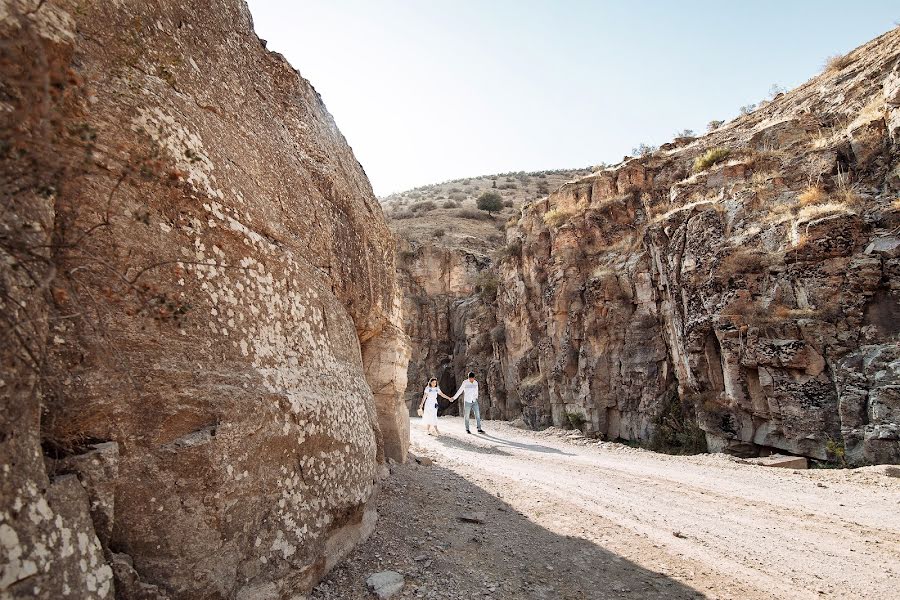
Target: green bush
pixel 486 284
pixel 490 202
pixel 675 429
pixel 836 451
pixel 576 420
pixel 709 158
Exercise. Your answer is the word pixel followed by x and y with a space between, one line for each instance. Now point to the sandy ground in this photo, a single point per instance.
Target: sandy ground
pixel 567 517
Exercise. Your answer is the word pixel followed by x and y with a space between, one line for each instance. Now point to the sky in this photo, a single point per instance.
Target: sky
pixel 428 91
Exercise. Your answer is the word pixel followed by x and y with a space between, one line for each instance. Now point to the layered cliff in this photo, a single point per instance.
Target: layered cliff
pixel 446 252
pixel 202 348
pixel 736 291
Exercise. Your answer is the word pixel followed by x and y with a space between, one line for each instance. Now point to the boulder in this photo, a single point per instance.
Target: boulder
pixel 385 584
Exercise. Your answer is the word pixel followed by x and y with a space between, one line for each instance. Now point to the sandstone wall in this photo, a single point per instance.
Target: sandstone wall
pixel 759 296
pixel 203 350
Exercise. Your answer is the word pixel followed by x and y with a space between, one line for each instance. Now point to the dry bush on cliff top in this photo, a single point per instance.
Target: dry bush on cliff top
pixel 557 217
pixel 836 62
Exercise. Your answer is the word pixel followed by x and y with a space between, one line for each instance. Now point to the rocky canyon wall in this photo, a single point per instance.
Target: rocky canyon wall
pixel 756 290
pixel 203 355
pixel 736 291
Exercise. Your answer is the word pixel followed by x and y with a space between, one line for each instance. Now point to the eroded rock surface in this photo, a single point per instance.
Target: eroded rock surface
pixel 202 346
pixel 747 305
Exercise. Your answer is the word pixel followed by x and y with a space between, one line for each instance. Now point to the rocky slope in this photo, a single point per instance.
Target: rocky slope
pixel 737 291
pixel 202 349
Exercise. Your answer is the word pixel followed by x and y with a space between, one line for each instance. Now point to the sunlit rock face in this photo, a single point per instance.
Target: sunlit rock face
pixel 203 353
pixel 759 291
pixel 748 304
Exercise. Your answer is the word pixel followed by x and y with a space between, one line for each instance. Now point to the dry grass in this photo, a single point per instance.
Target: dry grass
pixel 808 213
pixel 814 194
pixel 836 62
pixel 557 217
pixel 745 260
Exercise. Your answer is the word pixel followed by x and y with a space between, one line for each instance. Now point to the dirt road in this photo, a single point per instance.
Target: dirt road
pixel 566 517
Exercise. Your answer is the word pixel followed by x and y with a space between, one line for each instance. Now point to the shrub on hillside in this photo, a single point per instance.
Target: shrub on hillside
pixel 490 201
pixel 424 206
pixel 471 213
pixel 714 124
pixel 747 109
pixel 451 204
pixel 709 158
pixel 643 150
pixel 508 203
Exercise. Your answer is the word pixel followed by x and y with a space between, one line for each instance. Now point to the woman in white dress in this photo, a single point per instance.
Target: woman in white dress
pixel 429 405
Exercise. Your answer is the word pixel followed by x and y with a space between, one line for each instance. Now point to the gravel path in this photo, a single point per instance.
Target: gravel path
pixel 566 517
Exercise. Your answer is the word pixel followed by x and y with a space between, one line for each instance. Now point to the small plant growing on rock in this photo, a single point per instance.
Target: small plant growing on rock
pixel 486 284
pixel 490 202
pixel 835 449
pixel 557 217
pixel 575 420
pixel 709 158
pixel 814 194
pixel 714 124
pixel 675 428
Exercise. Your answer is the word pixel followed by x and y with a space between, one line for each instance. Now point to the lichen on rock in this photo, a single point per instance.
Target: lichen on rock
pixel 209 353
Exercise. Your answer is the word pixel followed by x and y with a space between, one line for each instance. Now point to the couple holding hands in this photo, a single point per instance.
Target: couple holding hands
pixel 428 407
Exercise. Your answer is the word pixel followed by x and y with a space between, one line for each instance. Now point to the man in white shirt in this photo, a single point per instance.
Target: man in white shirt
pixel 470 400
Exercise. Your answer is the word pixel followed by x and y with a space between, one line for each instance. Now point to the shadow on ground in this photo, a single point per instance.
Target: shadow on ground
pixel 508 556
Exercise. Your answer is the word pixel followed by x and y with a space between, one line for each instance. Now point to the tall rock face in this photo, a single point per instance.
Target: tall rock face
pixel 734 292
pixel 203 354
pixel 447 256
pixel 451 329
pixel 746 282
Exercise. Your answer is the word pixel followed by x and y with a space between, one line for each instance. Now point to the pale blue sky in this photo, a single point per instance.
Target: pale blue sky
pixel 436 90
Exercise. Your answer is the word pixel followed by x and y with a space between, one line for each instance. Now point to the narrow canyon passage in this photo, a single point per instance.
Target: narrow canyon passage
pixel 567 517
